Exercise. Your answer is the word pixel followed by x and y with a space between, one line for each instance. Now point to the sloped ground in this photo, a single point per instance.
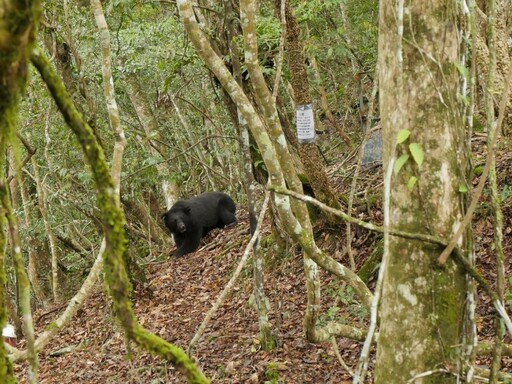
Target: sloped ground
pixel 181 291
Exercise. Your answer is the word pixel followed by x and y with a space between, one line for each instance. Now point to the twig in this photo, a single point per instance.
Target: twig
pixel 476 196
pixel 427 373
pixel 340 359
pixel 180 153
pixel 353 220
pixel 365 353
pixel 31 151
pixel 229 286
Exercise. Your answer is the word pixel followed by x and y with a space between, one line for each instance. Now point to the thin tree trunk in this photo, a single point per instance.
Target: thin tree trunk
pixel 109 93
pixel 22 279
pixel 499 327
pixel 33 248
pixel 261 302
pixel 149 123
pixel 277 160
pixel 54 249
pixel 6 310
pixel 308 152
pixel 37 258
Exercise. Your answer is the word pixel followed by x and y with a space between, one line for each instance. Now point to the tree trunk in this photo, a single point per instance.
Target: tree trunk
pixel 36 262
pixel 308 152
pixel 422 306
pixel 149 123
pixel 54 249
pixel 18 26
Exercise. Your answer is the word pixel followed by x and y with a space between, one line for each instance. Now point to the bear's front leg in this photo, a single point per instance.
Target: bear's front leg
pixel 188 243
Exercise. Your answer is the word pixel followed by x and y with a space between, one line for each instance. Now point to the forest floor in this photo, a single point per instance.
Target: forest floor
pixel 180 291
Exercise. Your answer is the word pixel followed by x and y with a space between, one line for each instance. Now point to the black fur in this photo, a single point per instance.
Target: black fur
pixel 190 220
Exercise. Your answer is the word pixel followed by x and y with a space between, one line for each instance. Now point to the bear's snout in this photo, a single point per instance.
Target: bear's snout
pixel 181 227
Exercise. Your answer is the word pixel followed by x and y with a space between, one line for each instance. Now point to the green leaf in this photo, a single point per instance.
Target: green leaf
pixel 400 163
pixel 463 188
pixel 462 70
pixel 417 153
pixel 402 136
pixel 464 99
pixel 412 181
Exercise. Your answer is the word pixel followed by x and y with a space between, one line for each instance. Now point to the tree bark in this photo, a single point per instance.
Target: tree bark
pixel 33 247
pixel 54 249
pixel 18 25
pixel 308 152
pixel 422 307
pixel 149 123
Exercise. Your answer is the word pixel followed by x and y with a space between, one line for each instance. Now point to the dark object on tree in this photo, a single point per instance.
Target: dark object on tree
pixel 372 153
pixel 190 220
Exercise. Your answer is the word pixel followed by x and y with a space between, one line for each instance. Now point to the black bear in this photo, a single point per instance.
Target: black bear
pixel 190 220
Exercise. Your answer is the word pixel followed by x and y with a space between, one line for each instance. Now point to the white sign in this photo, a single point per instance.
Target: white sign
pixel 8 331
pixel 305 123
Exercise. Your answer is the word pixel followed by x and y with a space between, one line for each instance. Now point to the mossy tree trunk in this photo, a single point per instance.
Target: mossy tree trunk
pixel 502 52
pixel 18 26
pixel 422 308
pixel 42 202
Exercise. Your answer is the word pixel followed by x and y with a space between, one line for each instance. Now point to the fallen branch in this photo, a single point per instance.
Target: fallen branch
pixel 372 227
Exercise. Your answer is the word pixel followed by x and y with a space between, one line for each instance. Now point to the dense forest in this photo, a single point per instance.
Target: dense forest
pixel 359 155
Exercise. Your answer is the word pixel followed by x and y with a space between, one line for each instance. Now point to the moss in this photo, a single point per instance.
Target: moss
pixel 272 372
pixel 371 264
pixel 267 241
pixel 477 125
pixel 52 326
pixel 448 302
pixel 267 341
pixel 172 353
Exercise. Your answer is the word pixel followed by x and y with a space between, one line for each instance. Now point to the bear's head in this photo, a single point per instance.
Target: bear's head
pixel 177 219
